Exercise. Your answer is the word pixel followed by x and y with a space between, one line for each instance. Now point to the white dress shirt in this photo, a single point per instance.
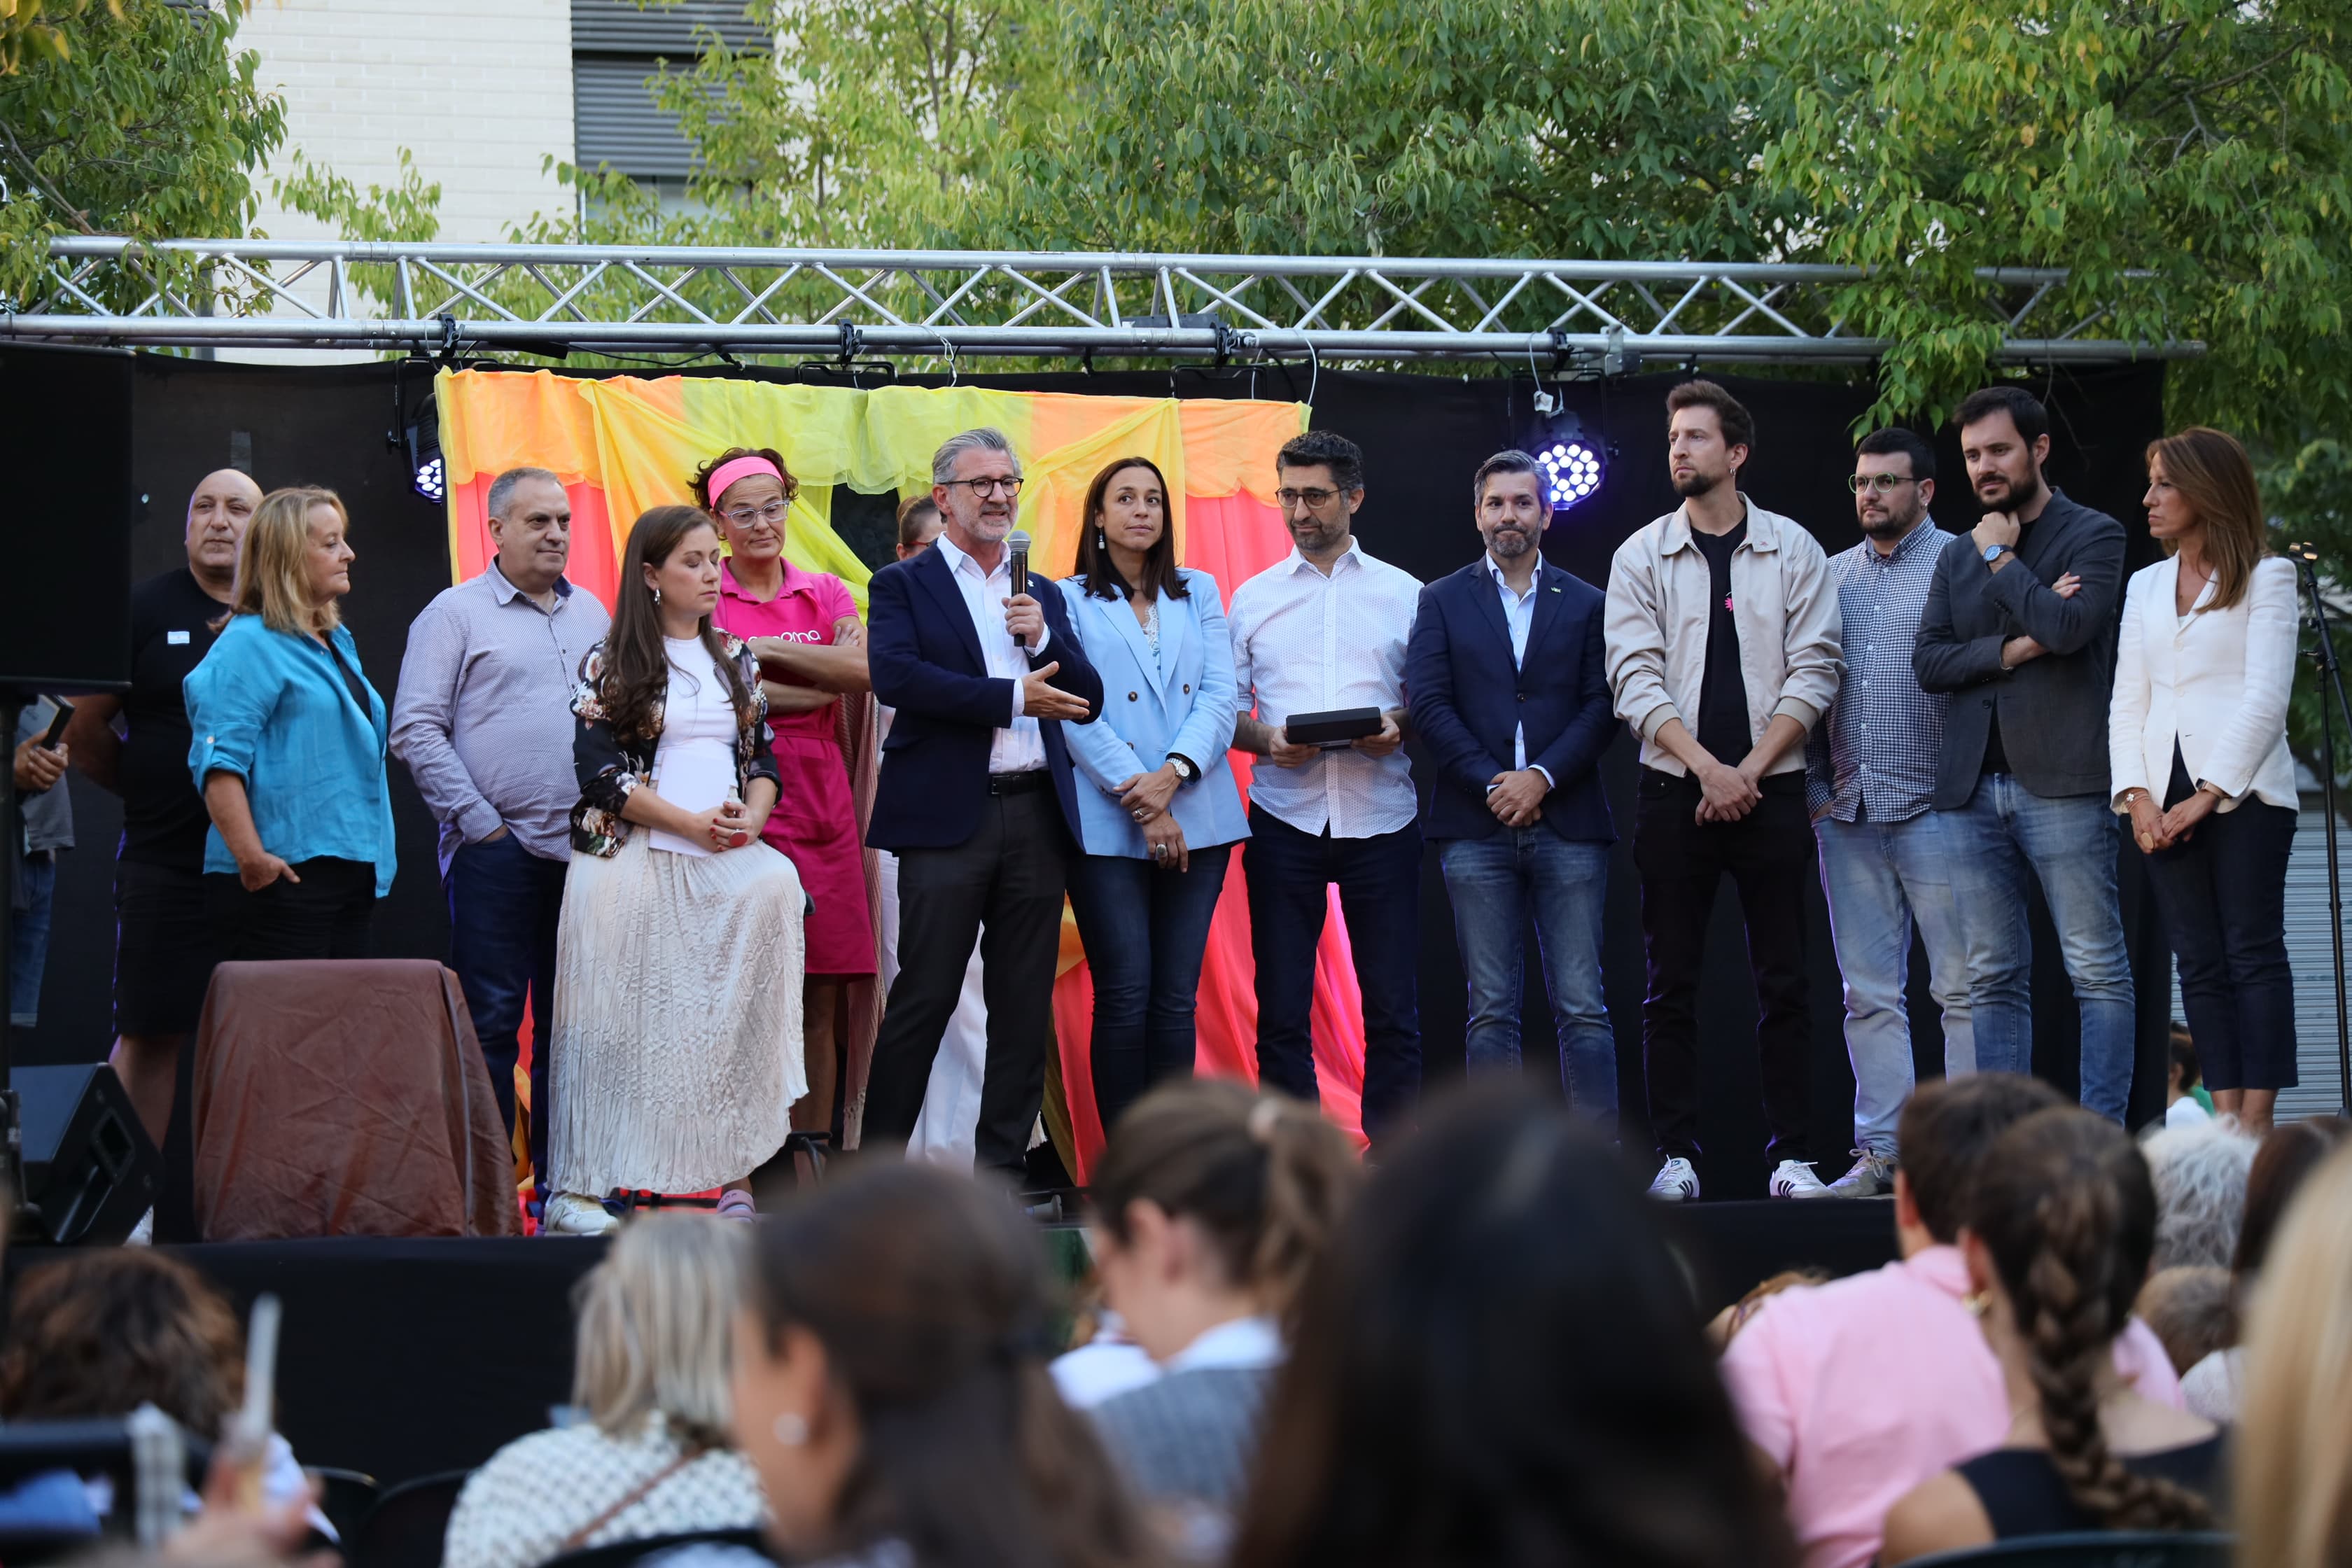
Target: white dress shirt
pixel 1519 615
pixel 1305 643
pixel 1020 746
pixel 2213 682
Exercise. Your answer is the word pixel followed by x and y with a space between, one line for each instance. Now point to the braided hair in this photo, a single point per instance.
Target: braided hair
pixel 2064 1205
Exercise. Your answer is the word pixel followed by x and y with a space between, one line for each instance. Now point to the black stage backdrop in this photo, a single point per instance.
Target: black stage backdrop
pixel 1423 436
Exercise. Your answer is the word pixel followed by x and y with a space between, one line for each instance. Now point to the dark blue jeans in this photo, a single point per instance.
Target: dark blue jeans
pixel 28 935
pixel 505 903
pixel 1379 895
pixel 1145 931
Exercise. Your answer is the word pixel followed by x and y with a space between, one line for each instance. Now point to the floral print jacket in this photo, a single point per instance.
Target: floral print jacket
pixel 610 771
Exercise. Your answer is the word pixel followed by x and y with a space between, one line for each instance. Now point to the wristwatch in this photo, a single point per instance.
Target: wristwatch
pixel 1185 772
pixel 1993 552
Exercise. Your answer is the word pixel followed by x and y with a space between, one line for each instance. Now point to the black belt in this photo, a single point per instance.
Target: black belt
pixel 1020 784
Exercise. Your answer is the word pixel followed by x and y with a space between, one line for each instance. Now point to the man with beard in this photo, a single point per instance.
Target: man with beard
pixel 1325 629
pixel 1722 639
pixel 1510 694
pixel 2019 627
pixel 975 798
pixel 1886 861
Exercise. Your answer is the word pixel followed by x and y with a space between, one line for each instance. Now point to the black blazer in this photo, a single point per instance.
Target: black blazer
pixel 2053 709
pixel 924 653
pixel 1468 698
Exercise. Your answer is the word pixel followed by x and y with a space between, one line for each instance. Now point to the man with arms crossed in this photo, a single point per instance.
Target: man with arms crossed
pixel 1886 858
pixel 483 719
pixel 2020 627
pixel 1325 629
pixel 1722 634
pixel 1510 693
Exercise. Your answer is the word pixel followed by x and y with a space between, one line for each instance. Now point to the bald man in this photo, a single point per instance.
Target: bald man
pixel 163 954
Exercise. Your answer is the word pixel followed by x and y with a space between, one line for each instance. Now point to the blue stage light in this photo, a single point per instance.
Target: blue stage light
pixel 1571 471
pixel 432 479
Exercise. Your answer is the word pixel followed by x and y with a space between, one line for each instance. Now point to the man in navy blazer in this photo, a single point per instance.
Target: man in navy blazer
pixel 1510 695
pixel 974 796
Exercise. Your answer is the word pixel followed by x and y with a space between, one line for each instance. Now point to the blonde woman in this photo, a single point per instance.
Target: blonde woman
pixel 2294 1463
pixel 2198 759
pixel 649 1453
pixel 289 747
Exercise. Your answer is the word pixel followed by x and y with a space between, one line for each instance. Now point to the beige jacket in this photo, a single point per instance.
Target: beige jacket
pixel 1783 602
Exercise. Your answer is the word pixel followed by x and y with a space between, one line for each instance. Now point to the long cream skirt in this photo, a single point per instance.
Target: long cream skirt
pixel 677 1018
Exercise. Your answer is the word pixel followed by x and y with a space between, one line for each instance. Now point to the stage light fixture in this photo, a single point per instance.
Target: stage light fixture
pixel 427 471
pixel 1571 464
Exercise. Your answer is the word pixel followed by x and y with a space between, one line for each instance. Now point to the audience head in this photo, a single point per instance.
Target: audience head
pixel 1210 1195
pixel 1889 510
pixel 672 560
pixel 1500 1362
pixel 2200 1192
pixel 890 1383
pixel 657 1324
pixel 2192 1311
pixel 1512 504
pixel 2182 1071
pixel 1946 1130
pixel 530 522
pixel 2283 1163
pixel 219 509
pixel 295 561
pixel 918 525
pixel 1709 434
pixel 2293 1458
pixel 102 1333
pixel 2004 441
pixel 753 494
pixel 2058 1234
pixel 1127 505
pixel 2201 486
pixel 1319 483
pixel 976 484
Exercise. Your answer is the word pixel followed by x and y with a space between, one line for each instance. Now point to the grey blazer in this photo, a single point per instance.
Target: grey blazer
pixel 2053 709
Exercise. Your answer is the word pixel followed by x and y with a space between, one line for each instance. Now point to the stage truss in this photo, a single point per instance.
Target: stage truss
pixel 1584 316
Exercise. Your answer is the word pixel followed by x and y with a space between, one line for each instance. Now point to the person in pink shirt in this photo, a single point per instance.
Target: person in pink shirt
pixel 1858 1390
pixel 803 628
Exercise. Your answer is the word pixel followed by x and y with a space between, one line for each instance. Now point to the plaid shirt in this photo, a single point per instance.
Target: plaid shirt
pixel 1874 757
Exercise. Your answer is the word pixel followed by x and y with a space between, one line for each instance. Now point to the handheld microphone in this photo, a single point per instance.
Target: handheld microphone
pixel 1017 542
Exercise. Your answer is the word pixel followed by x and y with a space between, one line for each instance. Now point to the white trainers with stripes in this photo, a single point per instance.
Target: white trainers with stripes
pixel 1676 1181
pixel 1795 1179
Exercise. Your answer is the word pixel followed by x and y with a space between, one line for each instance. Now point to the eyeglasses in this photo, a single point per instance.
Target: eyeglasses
pixel 1314 500
pixel 983 489
pixel 1880 484
pixel 745 516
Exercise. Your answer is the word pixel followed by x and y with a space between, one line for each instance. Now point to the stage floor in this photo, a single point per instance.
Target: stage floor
pixel 405 1358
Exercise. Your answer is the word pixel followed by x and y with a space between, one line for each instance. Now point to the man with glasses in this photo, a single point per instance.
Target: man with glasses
pixel 1886 858
pixel 483 721
pixel 1324 630
pixel 975 797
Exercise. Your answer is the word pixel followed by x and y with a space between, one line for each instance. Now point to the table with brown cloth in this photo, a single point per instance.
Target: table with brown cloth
pixel 345 1098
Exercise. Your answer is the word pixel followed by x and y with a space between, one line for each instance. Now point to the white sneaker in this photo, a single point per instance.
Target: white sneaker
pixel 1795 1179
pixel 1675 1182
pixel 1873 1175
pixel 570 1213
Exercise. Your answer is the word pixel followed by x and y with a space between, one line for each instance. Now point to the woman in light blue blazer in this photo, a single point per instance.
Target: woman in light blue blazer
pixel 1156 798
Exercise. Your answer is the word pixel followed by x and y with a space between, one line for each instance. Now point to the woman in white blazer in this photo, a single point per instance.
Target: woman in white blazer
pixel 2198 759
pixel 1156 804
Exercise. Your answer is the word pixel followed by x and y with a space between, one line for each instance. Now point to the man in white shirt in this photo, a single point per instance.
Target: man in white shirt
pixel 1324 630
pixel 1722 639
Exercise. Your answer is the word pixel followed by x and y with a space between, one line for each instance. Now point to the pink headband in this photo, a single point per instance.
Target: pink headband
pixel 724 476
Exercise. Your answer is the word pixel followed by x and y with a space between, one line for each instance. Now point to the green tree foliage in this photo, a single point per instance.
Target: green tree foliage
pixel 135 117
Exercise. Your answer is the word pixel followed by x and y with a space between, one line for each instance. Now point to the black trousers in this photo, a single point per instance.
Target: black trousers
pixel 1001 887
pixel 1768 855
pixel 325 915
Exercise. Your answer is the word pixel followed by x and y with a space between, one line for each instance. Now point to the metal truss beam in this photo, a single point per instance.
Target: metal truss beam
pixel 1558 315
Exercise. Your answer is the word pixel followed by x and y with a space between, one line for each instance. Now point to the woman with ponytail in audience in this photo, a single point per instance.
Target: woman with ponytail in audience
pixel 1209 1205
pixel 2294 1459
pixel 2058 1241
pixel 890 1388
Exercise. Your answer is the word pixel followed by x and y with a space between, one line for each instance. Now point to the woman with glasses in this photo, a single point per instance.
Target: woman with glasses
pixel 1156 799
pixel 803 628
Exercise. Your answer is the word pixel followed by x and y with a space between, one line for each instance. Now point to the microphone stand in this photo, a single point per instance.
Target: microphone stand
pixel 2331 674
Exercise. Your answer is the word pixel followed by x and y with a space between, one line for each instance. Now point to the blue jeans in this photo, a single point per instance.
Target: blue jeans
pixel 1495 884
pixel 505 904
pixel 2068 844
pixel 1145 931
pixel 28 935
pixel 1879 878
pixel 1289 873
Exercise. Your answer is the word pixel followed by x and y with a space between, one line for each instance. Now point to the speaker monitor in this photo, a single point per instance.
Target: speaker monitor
pixel 90 1170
